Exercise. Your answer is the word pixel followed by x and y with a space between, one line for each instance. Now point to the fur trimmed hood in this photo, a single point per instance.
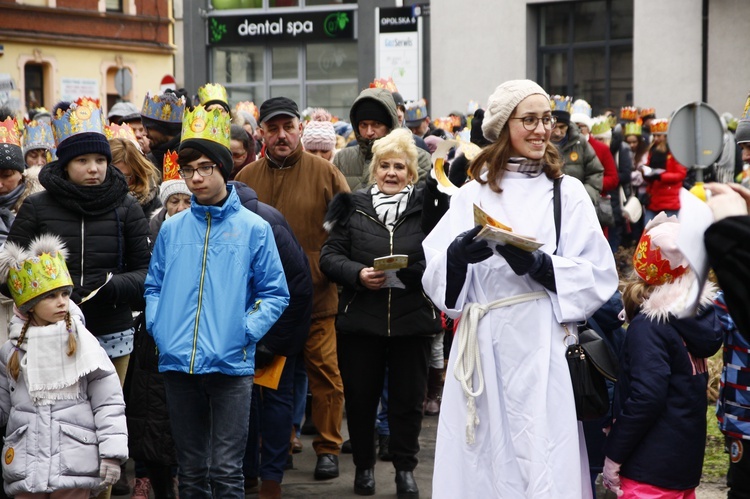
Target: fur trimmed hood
pixel 341 208
pixel 668 299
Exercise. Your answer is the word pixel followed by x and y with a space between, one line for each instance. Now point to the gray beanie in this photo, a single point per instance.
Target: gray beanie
pixel 503 101
pixel 169 187
pixel 742 134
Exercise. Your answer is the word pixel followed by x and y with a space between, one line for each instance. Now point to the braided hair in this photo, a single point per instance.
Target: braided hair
pixel 14 363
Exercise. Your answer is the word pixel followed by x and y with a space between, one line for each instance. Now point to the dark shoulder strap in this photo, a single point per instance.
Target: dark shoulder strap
pixel 558 209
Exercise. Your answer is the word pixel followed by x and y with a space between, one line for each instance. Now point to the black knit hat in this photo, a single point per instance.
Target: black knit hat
pixel 215 152
pixel 476 136
pixel 11 158
pixel 83 143
pixel 562 116
pixel 371 109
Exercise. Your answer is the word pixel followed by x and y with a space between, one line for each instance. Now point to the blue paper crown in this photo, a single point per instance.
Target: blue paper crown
pixel 580 106
pixel 83 116
pixel 416 110
pixel 37 135
pixel 166 107
pixel 560 103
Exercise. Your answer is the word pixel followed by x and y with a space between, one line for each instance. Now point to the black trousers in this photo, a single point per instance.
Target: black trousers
pixel 738 477
pixel 362 362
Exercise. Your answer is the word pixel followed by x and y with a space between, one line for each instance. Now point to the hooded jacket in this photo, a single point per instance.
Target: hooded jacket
pixel 214 287
pixel 354 162
pixel 581 162
pixel 659 434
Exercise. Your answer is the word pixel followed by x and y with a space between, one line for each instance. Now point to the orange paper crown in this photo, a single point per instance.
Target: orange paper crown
pixel 651 267
pixel 629 113
pixel 248 107
pixel 171 168
pixel 386 83
pixel 445 123
pixel 10 132
pixel 660 126
pixel 648 111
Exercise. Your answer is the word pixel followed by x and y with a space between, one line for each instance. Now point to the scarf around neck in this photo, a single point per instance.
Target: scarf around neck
pixel 390 207
pixel 529 167
pixel 86 200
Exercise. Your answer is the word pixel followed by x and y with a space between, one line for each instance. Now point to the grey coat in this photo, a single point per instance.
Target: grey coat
pixel 581 162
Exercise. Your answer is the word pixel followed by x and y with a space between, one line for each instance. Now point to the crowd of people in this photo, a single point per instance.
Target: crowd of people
pixel 215 274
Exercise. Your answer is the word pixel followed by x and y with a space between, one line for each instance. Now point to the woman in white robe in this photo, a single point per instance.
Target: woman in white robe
pixel 527 442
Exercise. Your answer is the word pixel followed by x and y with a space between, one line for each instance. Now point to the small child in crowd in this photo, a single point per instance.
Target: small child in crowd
pixel 59 393
pixel 656 444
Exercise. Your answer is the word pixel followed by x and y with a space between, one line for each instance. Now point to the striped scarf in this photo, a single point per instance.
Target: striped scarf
pixel 390 207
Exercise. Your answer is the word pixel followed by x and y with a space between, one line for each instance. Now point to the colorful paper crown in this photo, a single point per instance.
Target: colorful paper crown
pixel 248 107
pixel 121 132
pixel 651 267
pixel 600 126
pixel 446 123
pixel 211 125
pixel 746 111
pixel 648 111
pixel 37 135
pixel 83 116
pixel 166 107
pixel 37 271
pixel 471 108
pixel 660 126
pixel 386 83
pixel 634 128
pixel 170 171
pixel 416 110
pixel 580 106
pixel 10 132
pixel 559 103
pixel 212 92
pixel 629 113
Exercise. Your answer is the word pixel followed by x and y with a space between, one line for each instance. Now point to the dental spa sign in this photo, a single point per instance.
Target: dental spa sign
pixel 287 26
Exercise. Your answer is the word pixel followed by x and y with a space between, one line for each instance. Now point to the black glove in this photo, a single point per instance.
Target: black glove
pixel 411 277
pixel 463 251
pixel 263 356
pixel 537 264
pixel 432 185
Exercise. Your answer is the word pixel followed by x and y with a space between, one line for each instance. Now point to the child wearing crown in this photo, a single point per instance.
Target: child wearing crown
pixel 59 393
pixel 656 444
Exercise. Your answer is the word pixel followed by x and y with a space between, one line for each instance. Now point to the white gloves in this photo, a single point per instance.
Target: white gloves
pixel 727 205
pixel 109 471
pixel 611 475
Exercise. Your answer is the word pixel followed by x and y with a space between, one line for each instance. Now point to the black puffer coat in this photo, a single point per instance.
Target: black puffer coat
pixel 116 241
pixel 355 240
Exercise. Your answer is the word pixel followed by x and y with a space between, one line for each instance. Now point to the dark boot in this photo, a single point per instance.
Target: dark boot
pixel 406 486
pixel 434 392
pixel 162 483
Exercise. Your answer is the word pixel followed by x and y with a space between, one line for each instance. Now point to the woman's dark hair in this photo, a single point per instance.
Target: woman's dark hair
pixel 641 149
pixel 238 133
pixel 187 155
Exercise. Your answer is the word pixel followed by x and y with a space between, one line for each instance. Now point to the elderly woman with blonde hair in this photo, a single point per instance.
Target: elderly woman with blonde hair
pixel 384 318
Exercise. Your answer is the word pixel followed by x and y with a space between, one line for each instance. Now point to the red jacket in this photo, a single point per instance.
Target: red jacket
pixel 665 191
pixel 610 181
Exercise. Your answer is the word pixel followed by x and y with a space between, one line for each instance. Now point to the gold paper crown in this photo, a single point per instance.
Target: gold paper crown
pixel 171 168
pixel 83 116
pixel 248 107
pixel 211 125
pixel 648 111
pixel 10 132
pixel 560 103
pixel 634 128
pixel 37 271
pixel 123 131
pixel 386 83
pixel 212 92
pixel 660 126
pixel 629 113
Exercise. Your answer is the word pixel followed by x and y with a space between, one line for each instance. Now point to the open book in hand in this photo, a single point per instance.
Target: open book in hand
pixel 497 232
pixel 390 265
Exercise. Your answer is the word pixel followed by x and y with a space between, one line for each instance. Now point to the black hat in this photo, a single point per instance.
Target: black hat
pixel 278 106
pixel 83 143
pixel 371 109
pixel 476 135
pixel 11 157
pixel 399 100
pixel 215 151
pixel 562 116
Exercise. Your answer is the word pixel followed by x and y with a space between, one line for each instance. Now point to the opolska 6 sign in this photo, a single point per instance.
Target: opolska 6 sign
pixel 298 27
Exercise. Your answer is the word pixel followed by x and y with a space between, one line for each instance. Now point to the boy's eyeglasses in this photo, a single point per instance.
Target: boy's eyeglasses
pixel 204 171
pixel 531 122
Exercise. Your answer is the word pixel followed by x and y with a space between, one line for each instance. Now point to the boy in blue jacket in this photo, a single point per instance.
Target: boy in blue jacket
pixel 214 287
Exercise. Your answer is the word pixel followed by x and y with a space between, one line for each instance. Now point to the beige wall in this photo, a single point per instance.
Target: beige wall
pixel 728 55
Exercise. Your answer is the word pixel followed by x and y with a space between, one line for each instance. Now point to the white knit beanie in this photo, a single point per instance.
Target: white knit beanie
pixel 319 136
pixel 169 187
pixel 503 101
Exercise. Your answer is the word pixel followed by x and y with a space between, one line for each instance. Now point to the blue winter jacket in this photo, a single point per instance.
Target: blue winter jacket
pixel 214 287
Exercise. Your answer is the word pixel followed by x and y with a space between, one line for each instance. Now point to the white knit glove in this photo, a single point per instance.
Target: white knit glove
pixel 727 205
pixel 611 476
pixel 109 471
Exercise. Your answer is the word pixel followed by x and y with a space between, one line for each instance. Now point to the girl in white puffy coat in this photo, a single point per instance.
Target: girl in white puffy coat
pixel 59 393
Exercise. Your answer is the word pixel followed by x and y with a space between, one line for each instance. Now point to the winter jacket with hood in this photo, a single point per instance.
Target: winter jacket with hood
pixel 581 162
pixel 357 237
pixel 354 162
pixel 214 287
pixel 659 433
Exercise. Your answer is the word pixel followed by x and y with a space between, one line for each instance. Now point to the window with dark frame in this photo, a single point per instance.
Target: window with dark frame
pixel 33 75
pixel 114 5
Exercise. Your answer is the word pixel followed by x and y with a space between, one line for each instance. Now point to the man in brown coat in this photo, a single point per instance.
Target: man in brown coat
pixel 301 186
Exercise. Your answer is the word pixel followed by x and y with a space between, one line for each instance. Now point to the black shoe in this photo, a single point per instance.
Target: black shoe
pixel 346 447
pixel 308 428
pixel 364 482
pixel 327 467
pixel 121 486
pixel 406 486
pixel 384 453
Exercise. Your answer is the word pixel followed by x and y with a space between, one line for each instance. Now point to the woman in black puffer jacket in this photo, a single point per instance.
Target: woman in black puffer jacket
pixel 380 326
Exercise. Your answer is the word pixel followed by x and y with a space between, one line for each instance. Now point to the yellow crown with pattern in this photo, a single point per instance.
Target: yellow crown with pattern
pixel 629 113
pixel 170 170
pixel 212 92
pixel 83 116
pixel 660 126
pixel 600 126
pixel 37 271
pixel 634 128
pixel 123 131
pixel 10 132
pixel 648 111
pixel 211 125
pixel 248 107
pixel 560 103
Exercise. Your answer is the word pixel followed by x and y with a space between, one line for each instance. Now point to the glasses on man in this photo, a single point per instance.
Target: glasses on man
pixel 204 171
pixel 531 122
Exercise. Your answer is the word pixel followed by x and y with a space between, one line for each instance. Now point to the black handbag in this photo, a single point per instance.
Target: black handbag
pixel 591 362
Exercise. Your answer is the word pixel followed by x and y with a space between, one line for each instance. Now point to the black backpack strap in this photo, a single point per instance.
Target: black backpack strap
pixel 556 200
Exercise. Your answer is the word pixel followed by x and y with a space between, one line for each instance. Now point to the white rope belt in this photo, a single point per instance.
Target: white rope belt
pixel 468 359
